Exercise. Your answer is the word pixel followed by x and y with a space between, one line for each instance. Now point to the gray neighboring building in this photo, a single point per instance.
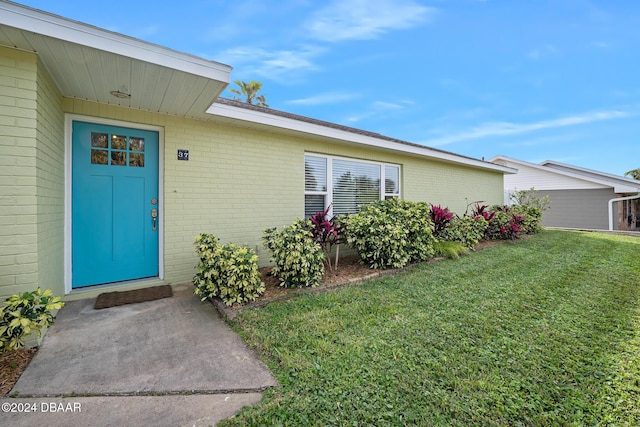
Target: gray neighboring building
pixel 579 198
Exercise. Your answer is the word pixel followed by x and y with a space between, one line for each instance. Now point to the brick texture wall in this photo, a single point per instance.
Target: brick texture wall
pixel 18 186
pixel 31 176
pixel 50 184
pixel 239 181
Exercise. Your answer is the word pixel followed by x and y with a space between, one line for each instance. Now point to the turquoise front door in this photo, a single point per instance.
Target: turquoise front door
pixel 114 219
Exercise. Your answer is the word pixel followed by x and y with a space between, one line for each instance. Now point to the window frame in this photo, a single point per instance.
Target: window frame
pixel 328 194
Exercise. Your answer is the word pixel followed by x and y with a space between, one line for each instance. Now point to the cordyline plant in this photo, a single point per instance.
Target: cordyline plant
pixel 514 228
pixel 482 211
pixel 441 218
pixel 326 233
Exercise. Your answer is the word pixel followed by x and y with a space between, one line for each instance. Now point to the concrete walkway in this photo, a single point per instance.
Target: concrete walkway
pixel 166 362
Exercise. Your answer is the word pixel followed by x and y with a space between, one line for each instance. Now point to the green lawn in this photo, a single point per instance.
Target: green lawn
pixel 539 332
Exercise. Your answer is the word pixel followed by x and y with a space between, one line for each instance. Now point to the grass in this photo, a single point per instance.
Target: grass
pixel 540 332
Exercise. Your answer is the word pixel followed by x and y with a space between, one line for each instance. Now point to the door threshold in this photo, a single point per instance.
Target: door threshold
pixel 129 285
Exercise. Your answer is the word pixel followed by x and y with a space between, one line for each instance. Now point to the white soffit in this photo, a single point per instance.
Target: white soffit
pixel 87 62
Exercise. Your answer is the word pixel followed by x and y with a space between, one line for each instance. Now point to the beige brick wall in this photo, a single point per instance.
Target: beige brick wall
pixel 31 176
pixel 50 184
pixel 239 181
pixel 18 184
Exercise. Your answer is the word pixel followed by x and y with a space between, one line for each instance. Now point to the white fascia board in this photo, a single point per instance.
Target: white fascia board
pixel 262 118
pixel 46 24
pixel 620 179
pixel 617 186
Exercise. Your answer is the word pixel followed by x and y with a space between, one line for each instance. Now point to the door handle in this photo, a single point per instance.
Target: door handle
pixel 154 216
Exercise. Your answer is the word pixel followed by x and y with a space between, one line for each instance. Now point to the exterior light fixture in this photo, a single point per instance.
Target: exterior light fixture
pixel 122 93
pixel 119 94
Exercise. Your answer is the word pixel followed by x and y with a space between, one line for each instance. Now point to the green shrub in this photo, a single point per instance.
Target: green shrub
pixel 391 233
pixel 229 271
pixel 532 218
pixel 529 204
pixel 505 224
pixel 26 313
pixel 450 249
pixel 299 261
pixel 466 229
pixel 531 197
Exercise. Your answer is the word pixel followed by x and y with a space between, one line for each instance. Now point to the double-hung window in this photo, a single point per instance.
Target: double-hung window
pixel 346 184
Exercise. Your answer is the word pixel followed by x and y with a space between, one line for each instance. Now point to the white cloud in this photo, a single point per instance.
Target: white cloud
pixel 378 108
pixel 386 106
pixel 505 128
pixel 325 98
pixel 601 45
pixel 276 64
pixel 552 140
pixel 542 52
pixel 366 19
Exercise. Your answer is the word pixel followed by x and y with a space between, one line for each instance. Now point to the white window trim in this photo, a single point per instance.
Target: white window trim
pixel 328 201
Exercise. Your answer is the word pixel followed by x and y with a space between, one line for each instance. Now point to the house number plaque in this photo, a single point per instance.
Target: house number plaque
pixel 183 154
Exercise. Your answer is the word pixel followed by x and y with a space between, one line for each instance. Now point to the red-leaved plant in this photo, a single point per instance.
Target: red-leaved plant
pixel 326 232
pixel 514 228
pixel 441 218
pixel 482 211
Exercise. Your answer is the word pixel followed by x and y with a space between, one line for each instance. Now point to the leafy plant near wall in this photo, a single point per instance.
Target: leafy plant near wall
pixel 391 233
pixel 326 233
pixel 468 230
pixel 299 261
pixel 24 314
pixel 532 218
pixel 482 211
pixel 441 218
pixel 505 224
pixel 529 204
pixel 531 197
pixel 229 271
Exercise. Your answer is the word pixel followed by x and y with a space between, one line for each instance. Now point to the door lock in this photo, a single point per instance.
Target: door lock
pixel 154 216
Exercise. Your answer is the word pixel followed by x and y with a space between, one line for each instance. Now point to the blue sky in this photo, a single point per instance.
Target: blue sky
pixel 533 80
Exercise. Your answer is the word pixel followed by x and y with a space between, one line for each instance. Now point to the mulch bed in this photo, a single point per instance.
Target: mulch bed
pixel 112 299
pixel 12 364
pixel 350 271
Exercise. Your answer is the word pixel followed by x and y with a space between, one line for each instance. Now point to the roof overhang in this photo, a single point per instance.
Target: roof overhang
pixel 618 184
pixel 89 63
pixel 264 121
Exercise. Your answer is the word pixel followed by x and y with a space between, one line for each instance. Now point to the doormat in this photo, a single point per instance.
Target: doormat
pixel 112 299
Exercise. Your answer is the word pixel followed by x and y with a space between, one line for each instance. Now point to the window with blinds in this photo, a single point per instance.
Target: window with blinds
pixel 315 185
pixel 346 185
pixel 354 185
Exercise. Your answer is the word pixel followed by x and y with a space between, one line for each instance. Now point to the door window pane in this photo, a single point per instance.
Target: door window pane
pixel 99 157
pixel 118 142
pixel 136 159
pixel 136 144
pixel 118 158
pixel 99 140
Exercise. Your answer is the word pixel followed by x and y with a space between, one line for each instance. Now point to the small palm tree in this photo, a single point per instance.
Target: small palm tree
pixel 248 92
pixel 633 173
